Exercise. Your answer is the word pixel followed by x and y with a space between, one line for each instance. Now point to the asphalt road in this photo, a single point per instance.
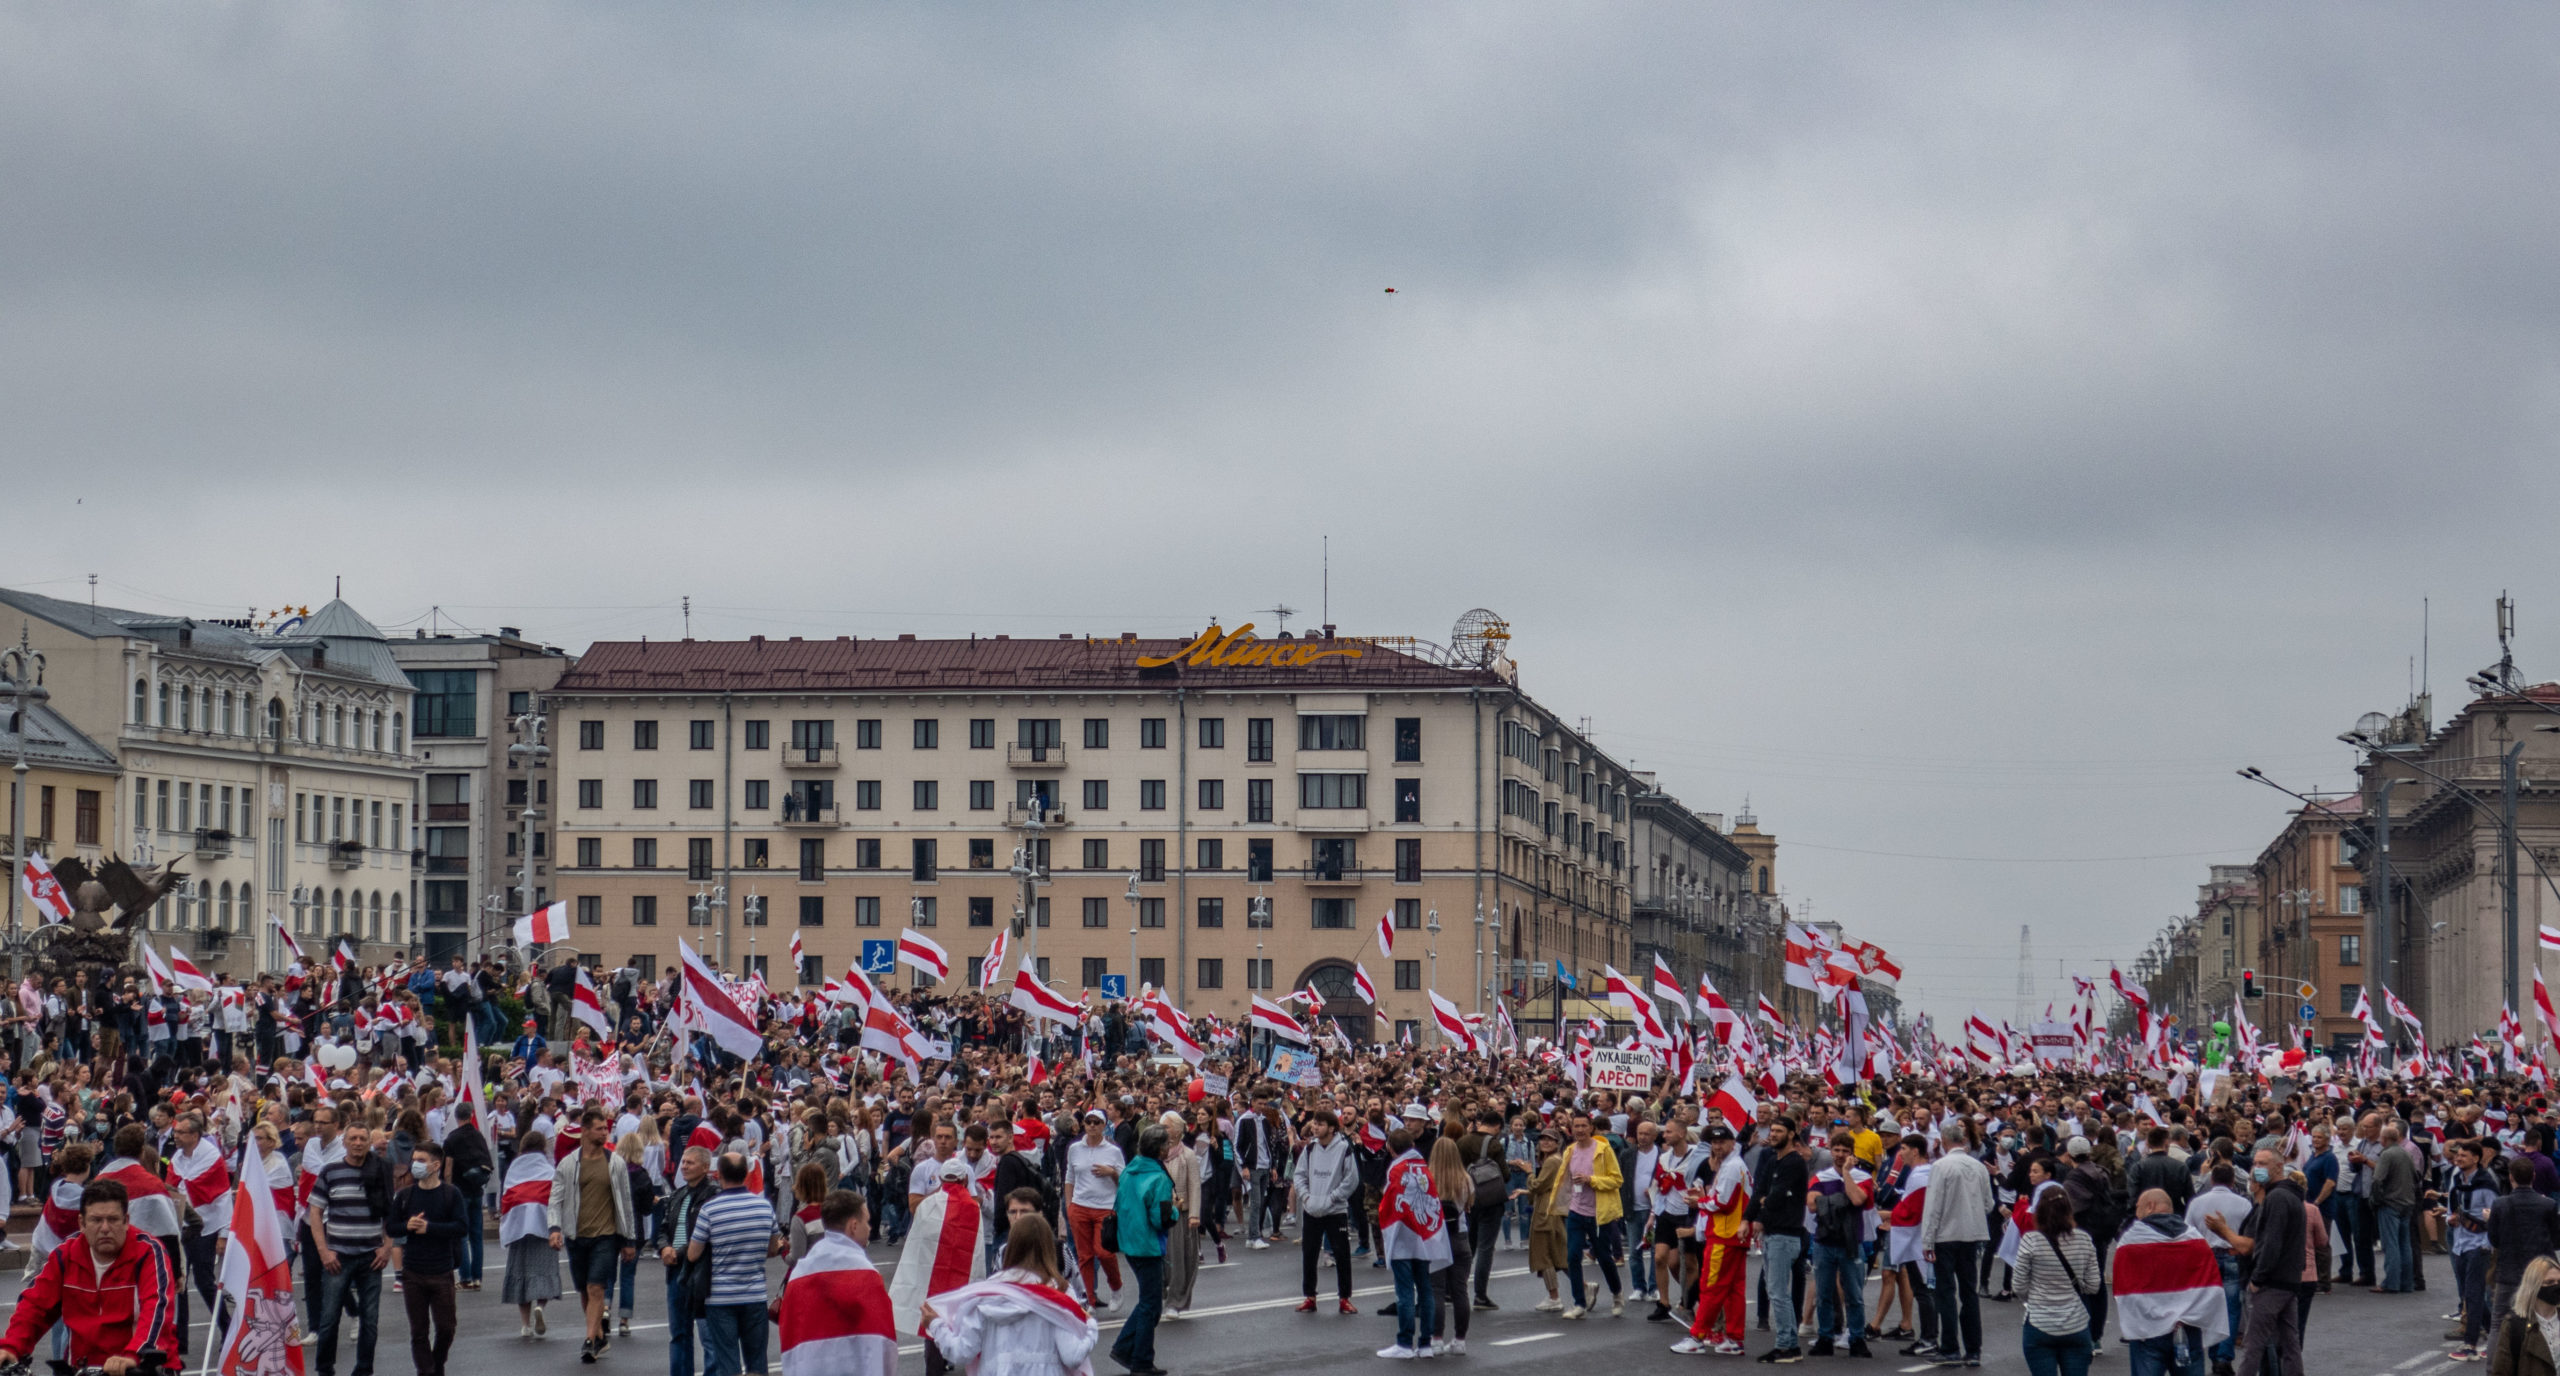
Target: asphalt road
pixel 1243 1322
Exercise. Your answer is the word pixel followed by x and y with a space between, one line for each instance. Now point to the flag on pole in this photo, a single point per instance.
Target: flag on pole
pixel 2550 937
pixel 992 968
pixel 1387 935
pixel 1453 1024
pixel 285 935
pixel 184 974
pixel 1275 1019
pixel 1360 984
pixel 1040 1001
pixel 45 891
pixel 588 1007
pixel 712 1008
pixel 1666 986
pixel 475 1091
pixel 541 928
pixel 922 953
pixel 1624 993
pixel 799 960
pixel 155 969
pixel 1736 1102
pixel 257 1276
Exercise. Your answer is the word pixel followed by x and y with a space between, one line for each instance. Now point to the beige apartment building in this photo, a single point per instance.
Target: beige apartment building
pixel 1230 814
pixel 273 764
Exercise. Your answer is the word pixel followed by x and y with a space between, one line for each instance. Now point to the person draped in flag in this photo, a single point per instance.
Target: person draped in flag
pixel 836 1316
pixel 202 1172
pixel 111 1287
pixel 1414 1239
pixel 945 1248
pixel 524 1231
pixel 1718 1229
pixel 1020 1321
pixel 2168 1287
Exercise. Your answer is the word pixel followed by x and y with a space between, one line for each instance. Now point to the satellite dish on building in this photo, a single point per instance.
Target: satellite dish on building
pixel 1479 638
pixel 2372 724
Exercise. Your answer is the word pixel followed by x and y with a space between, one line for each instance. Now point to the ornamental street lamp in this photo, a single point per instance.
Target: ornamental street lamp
pixel 1130 989
pixel 22 674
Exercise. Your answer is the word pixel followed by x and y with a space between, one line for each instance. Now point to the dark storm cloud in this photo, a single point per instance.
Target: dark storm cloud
pixel 1968 432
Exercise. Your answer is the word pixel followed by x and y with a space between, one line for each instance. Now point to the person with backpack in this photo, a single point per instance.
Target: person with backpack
pixel 1489 1185
pixel 2094 1205
pixel 1840 1193
pixel 1326 1179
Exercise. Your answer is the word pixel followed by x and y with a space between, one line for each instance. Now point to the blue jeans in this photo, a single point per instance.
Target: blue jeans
pixel 1778 1259
pixel 2233 1293
pixel 2055 1354
pixel 1639 1226
pixel 1581 1232
pixel 630 1279
pixel 474 1240
pixel 733 1339
pixel 679 1326
pixel 2178 1353
pixel 2471 1281
pixel 2355 1258
pixel 358 1286
pixel 1839 1266
pixel 2399 1262
pixel 1413 1303
pixel 1137 1344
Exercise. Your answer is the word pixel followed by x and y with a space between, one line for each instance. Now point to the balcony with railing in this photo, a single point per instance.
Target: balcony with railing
pixel 213 843
pixel 1037 757
pixel 349 855
pixel 1324 876
pixel 810 756
pixel 1015 814
pixel 448 812
pixel 828 818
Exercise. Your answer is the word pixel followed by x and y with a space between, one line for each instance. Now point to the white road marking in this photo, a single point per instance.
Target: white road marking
pixel 2420 1359
pixel 1532 1338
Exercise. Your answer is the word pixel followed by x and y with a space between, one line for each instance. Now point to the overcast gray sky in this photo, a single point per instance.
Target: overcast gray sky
pixel 1968 432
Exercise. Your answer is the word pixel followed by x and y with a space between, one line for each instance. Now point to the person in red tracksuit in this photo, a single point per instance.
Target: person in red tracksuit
pixel 113 1288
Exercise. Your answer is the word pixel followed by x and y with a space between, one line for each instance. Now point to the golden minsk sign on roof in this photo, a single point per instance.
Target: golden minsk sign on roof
pixel 1242 649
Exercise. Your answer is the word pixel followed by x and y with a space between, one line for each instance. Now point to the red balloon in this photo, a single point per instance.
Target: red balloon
pixel 1197 1091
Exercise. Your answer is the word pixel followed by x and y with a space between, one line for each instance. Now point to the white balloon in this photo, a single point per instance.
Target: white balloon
pixel 337 1057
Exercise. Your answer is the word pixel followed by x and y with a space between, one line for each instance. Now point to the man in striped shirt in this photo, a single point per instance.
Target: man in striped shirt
pixel 736 1229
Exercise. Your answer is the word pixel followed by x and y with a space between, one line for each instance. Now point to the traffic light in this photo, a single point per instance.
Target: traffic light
pixel 2248 984
pixel 2355 845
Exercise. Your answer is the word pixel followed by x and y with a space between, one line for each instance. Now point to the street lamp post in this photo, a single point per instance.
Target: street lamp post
pixel 710 908
pixel 1431 925
pixel 527 754
pixel 23 669
pixel 1129 988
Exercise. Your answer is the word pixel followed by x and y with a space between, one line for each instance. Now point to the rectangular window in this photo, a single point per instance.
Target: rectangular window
pixel 921 911
pixel 1408 1029
pixel 698 734
pixel 590 910
pixel 982 911
pixel 982 733
pixel 1151 860
pixel 866 912
pixel 813 859
pixel 866 853
pixel 977 971
pixel 519 702
pixel 1408 974
pixel 1213 912
pixel 447 702
pixel 1151 733
pixel 925 865
pixel 2350 899
pixel 1097 912
pixel 1408 800
pixel 590 852
pixel 644 793
pixel 519 792
pixel 697 858
pixel 2350 949
pixel 1330 732
pixel 1213 853
pixel 591 735
pixel 982 853
pixel 644 735
pixel 1213 974
pixel 1332 914
pixel 928 795
pixel 758 795
pixel 866 733
pixel 1150 912
pixel 1408 740
pixel 1151 795
pixel 1257 862
pixel 982 795
pixel 1257 975
pixel 1257 800
pixel 1257 739
pixel 1151 971
pixel 928 734
pixel 1095 967
pixel 1213 733
pixel 2347 996
pixel 698 794
pixel 1213 795
pixel 866 795
pixel 186 806
pixel 1097 795
pixel 813 910
pixel 1408 914
pixel 1408 859
pixel 84 817
pixel 1333 790
pixel 644 852
pixel 1097 853
pixel 644 910
pixel 1097 733
pixel 759 736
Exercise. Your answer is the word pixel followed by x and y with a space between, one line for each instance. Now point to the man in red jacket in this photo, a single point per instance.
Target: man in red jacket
pixel 112 1287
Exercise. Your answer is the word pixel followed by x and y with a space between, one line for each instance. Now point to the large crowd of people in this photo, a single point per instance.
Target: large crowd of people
pixel 1035 1174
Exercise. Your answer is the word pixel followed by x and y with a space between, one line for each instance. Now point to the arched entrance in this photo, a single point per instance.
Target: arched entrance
pixel 1342 1001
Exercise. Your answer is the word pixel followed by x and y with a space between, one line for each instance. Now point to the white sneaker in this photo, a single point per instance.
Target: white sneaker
pixel 1728 1348
pixel 1574 1311
pixel 1689 1347
pixel 525 1332
pixel 1398 1353
pixel 1548 1306
pixel 1258 1245
pixel 1617 1306
pixel 541 1325
pixel 1457 1347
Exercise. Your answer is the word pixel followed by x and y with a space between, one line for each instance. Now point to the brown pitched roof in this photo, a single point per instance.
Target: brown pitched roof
pixel 1072 664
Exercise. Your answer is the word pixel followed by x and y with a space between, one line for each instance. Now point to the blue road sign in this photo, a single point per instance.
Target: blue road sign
pixel 2310 1012
pixel 1115 986
pixel 879 956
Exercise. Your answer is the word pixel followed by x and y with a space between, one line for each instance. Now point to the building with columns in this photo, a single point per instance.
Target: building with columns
pixel 1220 817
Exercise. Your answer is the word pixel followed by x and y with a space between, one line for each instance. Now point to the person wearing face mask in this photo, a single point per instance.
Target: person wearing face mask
pixel 2270 1243
pixel 428 1222
pixel 2529 1331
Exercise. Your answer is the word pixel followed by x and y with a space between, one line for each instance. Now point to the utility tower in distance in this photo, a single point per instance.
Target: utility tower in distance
pixel 2026 980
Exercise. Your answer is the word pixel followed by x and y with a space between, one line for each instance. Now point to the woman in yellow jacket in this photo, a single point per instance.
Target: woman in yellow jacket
pixel 1587 1195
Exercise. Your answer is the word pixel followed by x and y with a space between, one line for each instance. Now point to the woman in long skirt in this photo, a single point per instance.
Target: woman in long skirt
pixel 524 1226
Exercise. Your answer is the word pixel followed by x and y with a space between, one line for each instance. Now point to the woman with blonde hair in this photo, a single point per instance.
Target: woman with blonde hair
pixel 1546 1194
pixel 1019 1321
pixel 1457 1191
pixel 2530 1333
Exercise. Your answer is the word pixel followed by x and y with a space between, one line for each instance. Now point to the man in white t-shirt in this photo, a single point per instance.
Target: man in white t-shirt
pixel 1093 1190
pixel 926 1177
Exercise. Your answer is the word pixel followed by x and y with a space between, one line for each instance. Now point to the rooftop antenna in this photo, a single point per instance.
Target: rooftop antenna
pixel 1327 612
pixel 1283 611
pixel 2026 980
pixel 338 586
pixel 93 592
pixel 2426 625
pixel 688 617
pixel 2506 633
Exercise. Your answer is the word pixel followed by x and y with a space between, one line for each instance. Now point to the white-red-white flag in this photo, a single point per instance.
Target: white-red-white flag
pixel 1666 985
pixel 542 928
pixel 921 952
pixel 1042 1002
pixel 257 1274
pixel 1736 1102
pixel 1453 1024
pixel 799 959
pixel 587 1006
pixel 2550 937
pixel 184 974
pixel 1624 993
pixel 714 1011
pixel 1387 935
pixel 35 877
pixel 1360 985
pixel 992 968
pixel 1275 1019
pixel 836 1315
